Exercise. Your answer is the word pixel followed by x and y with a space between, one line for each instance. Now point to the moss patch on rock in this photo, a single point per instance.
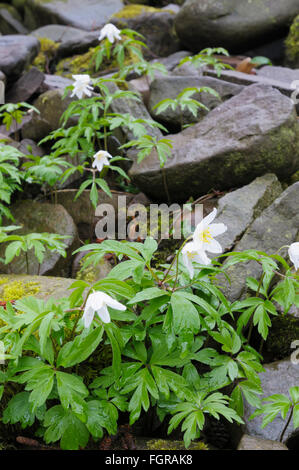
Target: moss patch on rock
pixel 47 53
pixel 131 11
pixel 15 290
pixel 292 44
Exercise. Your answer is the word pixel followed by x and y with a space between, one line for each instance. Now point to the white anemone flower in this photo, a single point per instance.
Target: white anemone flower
pixel 97 302
pixel 110 32
pixel 191 253
pixel 294 254
pixel 205 232
pixel 101 159
pixel 82 86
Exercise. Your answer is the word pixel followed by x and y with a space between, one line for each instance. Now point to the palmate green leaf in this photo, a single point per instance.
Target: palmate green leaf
pixel 115 286
pixel 101 414
pixel 185 315
pixel 19 410
pixel 78 350
pixel 64 425
pixel 72 392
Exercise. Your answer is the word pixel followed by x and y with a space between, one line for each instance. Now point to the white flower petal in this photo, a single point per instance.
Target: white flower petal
pixel 201 258
pixel 104 314
pixel 294 254
pixel 217 229
pixel 112 302
pixel 210 217
pixel 88 316
pixel 213 246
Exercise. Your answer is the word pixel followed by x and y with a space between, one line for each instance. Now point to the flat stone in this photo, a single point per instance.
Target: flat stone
pixel 46 287
pixel 238 209
pixel 277 379
pixel 36 217
pixel 71 40
pixel 88 15
pixel 282 74
pixel 245 79
pixel 27 85
pixel 277 226
pixel 54 82
pixel 254 443
pixel 241 139
pixel 16 52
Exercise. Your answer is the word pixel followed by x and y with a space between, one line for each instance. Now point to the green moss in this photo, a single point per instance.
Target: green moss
pixel 292 44
pixel 88 274
pixel 131 11
pixel 48 49
pixel 16 290
pixel 161 444
pixel 78 64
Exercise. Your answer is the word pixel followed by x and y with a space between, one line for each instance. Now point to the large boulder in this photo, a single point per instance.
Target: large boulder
pixel 171 86
pixel 277 226
pixel 88 15
pixel 241 139
pixel 237 25
pixel 36 217
pixel 16 52
pixel 277 379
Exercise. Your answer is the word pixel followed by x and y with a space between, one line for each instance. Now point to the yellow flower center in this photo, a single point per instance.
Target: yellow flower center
pixel 191 255
pixel 205 236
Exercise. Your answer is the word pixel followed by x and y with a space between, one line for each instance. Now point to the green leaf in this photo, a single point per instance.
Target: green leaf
pixel 72 392
pixel 80 349
pixel 64 425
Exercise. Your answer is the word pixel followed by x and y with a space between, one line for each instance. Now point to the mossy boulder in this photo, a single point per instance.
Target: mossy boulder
pixel 18 286
pixel 241 139
pixel 292 45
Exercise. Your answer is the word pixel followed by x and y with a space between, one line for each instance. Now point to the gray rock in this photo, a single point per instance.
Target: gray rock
pixel 254 443
pixel 232 76
pixel 136 109
pixel 51 107
pixel 281 74
pixel 54 82
pixel 44 287
pixel 239 208
pixel 241 139
pixel 72 40
pixel 27 85
pixel 16 52
pixel 172 60
pixel 156 27
pixel 236 25
pixel 88 15
pixel 277 226
pixel 10 20
pixel 278 378
pixel 36 217
pixel 171 86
